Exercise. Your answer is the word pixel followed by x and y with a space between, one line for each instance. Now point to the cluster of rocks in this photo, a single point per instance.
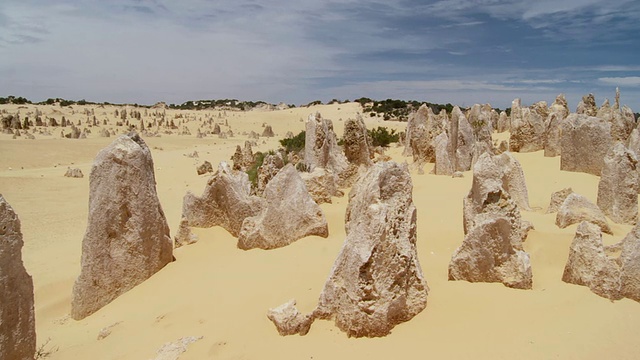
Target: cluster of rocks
pixel 494 230
pixel 376 282
pixel 284 214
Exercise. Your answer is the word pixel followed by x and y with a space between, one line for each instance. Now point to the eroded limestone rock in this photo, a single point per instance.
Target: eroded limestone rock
pixel 618 186
pixel 376 281
pixel 557 198
pixel 289 214
pixel 576 209
pixel 356 142
pixel 585 141
pixel 17 317
pixel 127 237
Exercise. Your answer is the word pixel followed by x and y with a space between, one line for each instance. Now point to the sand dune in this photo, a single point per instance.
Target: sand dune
pixel 222 293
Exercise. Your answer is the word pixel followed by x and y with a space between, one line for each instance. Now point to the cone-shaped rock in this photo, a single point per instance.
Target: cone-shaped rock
pixel 376 281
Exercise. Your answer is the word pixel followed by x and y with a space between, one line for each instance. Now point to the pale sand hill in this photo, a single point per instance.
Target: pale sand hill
pixel 222 293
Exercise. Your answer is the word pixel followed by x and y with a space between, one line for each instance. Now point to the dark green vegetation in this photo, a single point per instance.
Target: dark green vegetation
pixel 393 109
pixel 295 143
pixel 381 136
pixel 253 170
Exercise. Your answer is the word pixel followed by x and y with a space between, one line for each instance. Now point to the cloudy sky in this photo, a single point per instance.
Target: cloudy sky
pixel 297 51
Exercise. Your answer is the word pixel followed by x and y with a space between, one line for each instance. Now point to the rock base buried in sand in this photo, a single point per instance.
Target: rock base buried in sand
pixel 127 237
pixel 289 214
pixel 577 208
pixel 376 281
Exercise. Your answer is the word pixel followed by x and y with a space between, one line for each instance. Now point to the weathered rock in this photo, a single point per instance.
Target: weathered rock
pixel 268 131
pixel 422 129
pixel 589 264
pixel 204 168
pixel 503 122
pixel 17 317
pixel 216 129
pixel 104 133
pixel 74 173
pixel 184 236
pixel 618 186
pixel 226 201
pixel 577 208
pixel 173 350
pixel 243 158
pixel 288 320
pixel 271 165
pixel 356 142
pixel 498 187
pixel 322 185
pixel 587 106
pixel 557 198
pixel 376 281
pixel 584 143
pixel 527 128
pixel 321 146
pixel 127 237
pixel 558 112
pixel 462 140
pixel 288 215
pixel 444 164
pixel 629 262
pixel 494 231
pixel 488 255
pixel 480 120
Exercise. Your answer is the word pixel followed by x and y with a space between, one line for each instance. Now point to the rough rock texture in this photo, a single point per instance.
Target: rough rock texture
pixel 321 146
pixel 577 208
pixel 480 119
pixel 243 158
pixel 376 281
pixel 226 201
pixel 422 128
pixel 487 255
pixel 17 317
pixel 629 261
pixel 527 128
pixel 584 141
pixel 503 122
pixel 494 231
pixel 356 142
pixel 184 236
pixel 74 173
pixel 444 163
pixel 268 131
pixel 204 168
pixel 557 198
pixel 589 264
pixel 271 164
pixel 587 106
pixel 127 237
pixel 461 140
pixel 289 214
pixel 288 320
pixel 558 112
pixel 618 186
pixel 173 350
pixel 322 185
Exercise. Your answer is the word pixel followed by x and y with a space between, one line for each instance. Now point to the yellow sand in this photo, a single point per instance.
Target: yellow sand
pixel 222 293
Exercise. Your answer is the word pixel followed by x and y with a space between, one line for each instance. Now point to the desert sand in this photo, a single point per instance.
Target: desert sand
pixel 221 293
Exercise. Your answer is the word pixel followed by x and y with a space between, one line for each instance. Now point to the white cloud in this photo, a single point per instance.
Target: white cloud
pixel 621 81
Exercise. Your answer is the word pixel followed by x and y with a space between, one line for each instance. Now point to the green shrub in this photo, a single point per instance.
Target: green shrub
pixel 295 143
pixel 253 170
pixel 381 136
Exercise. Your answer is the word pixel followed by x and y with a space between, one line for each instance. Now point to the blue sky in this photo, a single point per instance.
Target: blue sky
pixel 297 51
